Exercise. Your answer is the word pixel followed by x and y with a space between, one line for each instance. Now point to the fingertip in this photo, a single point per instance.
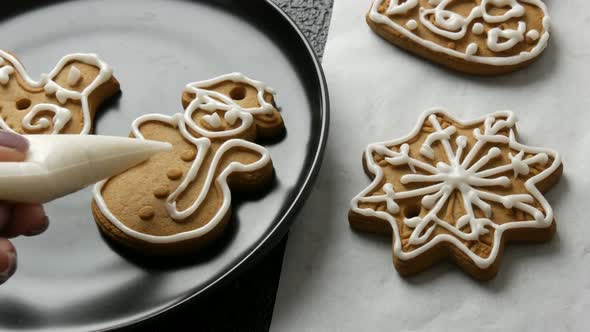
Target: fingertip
pixel 8 154
pixel 4 215
pixel 41 226
pixel 14 141
pixel 8 260
pixel 27 219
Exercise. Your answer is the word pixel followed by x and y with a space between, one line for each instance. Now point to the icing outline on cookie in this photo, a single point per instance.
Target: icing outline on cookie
pixel 454 22
pixel 213 102
pixel 9 64
pixel 446 178
pixel 202 144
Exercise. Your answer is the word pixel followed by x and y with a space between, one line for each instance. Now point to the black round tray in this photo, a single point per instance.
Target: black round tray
pixel 71 278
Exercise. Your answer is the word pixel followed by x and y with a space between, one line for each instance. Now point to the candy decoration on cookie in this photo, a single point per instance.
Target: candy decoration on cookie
pixel 179 201
pixel 459 190
pixel 486 37
pixel 61 102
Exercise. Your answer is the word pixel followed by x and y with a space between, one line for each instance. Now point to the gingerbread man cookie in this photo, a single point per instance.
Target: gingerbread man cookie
pixel 61 102
pixel 457 190
pixel 486 37
pixel 179 201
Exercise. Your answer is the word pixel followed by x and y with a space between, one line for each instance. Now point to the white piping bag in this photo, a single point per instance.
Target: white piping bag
pixel 58 165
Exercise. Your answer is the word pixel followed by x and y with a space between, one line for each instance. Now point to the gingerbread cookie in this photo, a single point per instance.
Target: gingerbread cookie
pixel 61 102
pixel 457 190
pixel 179 201
pixel 485 37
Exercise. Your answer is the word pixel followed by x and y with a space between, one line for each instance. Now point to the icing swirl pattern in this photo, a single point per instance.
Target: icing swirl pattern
pixel 507 24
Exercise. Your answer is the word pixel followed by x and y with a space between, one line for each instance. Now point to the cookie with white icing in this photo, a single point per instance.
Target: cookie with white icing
pixel 457 190
pixel 485 37
pixel 179 201
pixel 63 101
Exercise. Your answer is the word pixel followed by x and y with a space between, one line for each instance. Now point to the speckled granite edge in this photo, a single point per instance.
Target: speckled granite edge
pixel 312 17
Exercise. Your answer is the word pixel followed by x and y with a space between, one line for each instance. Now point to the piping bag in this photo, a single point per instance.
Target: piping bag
pixel 58 165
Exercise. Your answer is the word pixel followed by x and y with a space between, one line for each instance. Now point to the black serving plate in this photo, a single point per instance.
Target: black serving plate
pixel 71 278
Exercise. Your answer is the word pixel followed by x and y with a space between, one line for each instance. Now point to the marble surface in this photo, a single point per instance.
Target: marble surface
pixel 336 279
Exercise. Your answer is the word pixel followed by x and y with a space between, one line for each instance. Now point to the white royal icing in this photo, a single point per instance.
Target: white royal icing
pixel 396 7
pixel 213 120
pixel 533 34
pixel 454 26
pixel 471 49
pixel 74 76
pixel 214 102
pixel 62 94
pixel 5 73
pixel 512 37
pixel 61 116
pixel 478 28
pixel 412 25
pixel 463 174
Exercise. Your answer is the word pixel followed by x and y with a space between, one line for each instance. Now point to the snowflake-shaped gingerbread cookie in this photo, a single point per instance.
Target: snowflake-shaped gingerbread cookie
pixel 459 190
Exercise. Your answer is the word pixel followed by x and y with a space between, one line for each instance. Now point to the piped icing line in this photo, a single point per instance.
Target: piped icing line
pixel 213 101
pixel 203 145
pixel 62 94
pixel 462 176
pixel 74 76
pixel 457 25
pixel 61 116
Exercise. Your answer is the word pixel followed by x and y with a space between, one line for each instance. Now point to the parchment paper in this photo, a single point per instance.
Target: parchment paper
pixel 336 279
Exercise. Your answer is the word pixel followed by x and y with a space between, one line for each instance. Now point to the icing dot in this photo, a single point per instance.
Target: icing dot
pixel 213 120
pixel 471 49
pixel 532 35
pixel 74 76
pixel 147 212
pixel 451 45
pixel 494 152
pixel 231 116
pixel 412 24
pixel 188 155
pixel 477 28
pixel 161 192
pixel 461 141
pixel 174 173
pixel 5 73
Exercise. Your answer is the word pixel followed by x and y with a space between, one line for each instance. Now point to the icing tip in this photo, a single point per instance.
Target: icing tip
pixel 158 146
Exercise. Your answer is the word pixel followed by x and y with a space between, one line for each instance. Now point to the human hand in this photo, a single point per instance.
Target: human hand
pixel 16 219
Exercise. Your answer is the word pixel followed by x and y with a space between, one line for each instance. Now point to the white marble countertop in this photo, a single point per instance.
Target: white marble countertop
pixel 336 279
